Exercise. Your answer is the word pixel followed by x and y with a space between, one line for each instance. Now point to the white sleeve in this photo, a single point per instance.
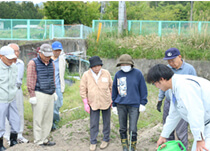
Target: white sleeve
pixel 172 120
pixel 191 97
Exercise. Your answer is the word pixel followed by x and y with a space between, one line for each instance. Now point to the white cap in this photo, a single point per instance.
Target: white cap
pixel 8 52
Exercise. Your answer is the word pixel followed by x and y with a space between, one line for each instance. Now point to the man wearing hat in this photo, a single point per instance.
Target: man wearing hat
pixel 18 98
pixel 95 90
pixel 129 95
pixel 60 65
pixel 41 87
pixel 8 89
pixel 178 66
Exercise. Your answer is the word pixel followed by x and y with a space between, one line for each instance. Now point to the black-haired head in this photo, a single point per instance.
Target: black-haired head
pixel 159 71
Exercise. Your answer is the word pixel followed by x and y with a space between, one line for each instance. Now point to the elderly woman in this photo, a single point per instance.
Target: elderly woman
pixel 129 95
pixel 95 90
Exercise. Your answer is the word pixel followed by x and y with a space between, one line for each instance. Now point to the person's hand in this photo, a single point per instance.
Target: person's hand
pixel 86 106
pixel 114 110
pixel 160 141
pixel 33 100
pixel 201 146
pixel 55 97
pixel 142 108
pixel 159 106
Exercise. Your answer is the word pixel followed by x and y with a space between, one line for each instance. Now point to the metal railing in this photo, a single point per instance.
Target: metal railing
pixel 26 29
pixel 144 27
pixel 70 31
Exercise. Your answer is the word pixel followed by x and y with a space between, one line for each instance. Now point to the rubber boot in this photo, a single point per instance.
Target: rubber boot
pixel 133 143
pixel 2 148
pixel 124 142
pixel 13 139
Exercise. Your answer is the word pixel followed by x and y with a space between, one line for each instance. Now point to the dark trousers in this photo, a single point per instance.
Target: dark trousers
pixel 125 111
pixel 181 129
pixel 94 124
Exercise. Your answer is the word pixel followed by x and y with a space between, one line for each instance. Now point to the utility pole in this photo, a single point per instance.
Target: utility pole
pixel 191 12
pixel 121 16
pixel 103 5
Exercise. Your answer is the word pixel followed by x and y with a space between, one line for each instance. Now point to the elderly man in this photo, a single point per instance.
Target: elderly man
pixel 190 100
pixel 8 89
pixel 18 98
pixel 178 66
pixel 41 87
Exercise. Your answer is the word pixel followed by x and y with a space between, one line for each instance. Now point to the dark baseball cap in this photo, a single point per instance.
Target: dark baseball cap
pixel 171 53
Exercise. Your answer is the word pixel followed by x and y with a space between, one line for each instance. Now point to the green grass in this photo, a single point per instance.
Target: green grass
pixel 110 45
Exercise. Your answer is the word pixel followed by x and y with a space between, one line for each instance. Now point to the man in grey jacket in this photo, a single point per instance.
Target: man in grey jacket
pixel 8 88
pixel 18 98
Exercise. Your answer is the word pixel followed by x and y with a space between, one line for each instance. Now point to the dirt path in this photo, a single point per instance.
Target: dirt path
pixel 74 136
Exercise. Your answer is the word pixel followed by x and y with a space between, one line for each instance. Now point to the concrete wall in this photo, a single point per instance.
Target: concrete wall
pixel 202 67
pixel 27 52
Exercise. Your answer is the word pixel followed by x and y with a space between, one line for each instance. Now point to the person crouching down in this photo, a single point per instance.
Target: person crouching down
pixel 95 90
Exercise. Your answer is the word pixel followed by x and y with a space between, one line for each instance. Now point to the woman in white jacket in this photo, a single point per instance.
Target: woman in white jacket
pixel 191 101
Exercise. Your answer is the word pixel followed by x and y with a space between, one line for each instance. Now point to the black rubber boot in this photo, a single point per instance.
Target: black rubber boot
pixel 124 142
pixel 133 143
pixel 2 148
pixel 13 139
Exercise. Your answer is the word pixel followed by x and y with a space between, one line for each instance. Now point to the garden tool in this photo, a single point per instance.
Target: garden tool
pixel 173 145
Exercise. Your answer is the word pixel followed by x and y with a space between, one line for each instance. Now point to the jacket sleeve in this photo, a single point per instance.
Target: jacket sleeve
pixel 161 95
pixel 114 91
pixel 191 96
pixel 171 121
pixel 62 68
pixel 83 87
pixel 143 91
pixel 31 78
pixel 110 83
pixel 193 72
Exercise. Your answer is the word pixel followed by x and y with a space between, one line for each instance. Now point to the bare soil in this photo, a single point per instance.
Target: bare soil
pixel 74 136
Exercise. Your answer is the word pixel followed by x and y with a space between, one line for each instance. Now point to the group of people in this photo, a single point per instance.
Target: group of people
pixel 186 100
pixel 127 93
pixel 45 83
pixel 186 97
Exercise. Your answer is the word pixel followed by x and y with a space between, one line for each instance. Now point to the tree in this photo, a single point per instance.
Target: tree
pixel 92 11
pixel 24 10
pixel 72 12
pixel 201 11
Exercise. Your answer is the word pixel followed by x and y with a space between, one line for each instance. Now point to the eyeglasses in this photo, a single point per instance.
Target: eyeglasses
pixel 153 83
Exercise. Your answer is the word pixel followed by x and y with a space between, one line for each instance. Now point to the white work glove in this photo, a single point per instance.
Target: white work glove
pixel 55 97
pixel 142 108
pixel 33 100
pixel 114 110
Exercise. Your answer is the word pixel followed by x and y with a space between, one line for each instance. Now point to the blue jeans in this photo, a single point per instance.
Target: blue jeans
pixel 125 111
pixel 57 105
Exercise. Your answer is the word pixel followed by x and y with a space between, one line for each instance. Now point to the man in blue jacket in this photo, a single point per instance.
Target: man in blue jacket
pixel 129 95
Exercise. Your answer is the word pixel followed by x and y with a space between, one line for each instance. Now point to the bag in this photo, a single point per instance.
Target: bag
pixel 173 146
